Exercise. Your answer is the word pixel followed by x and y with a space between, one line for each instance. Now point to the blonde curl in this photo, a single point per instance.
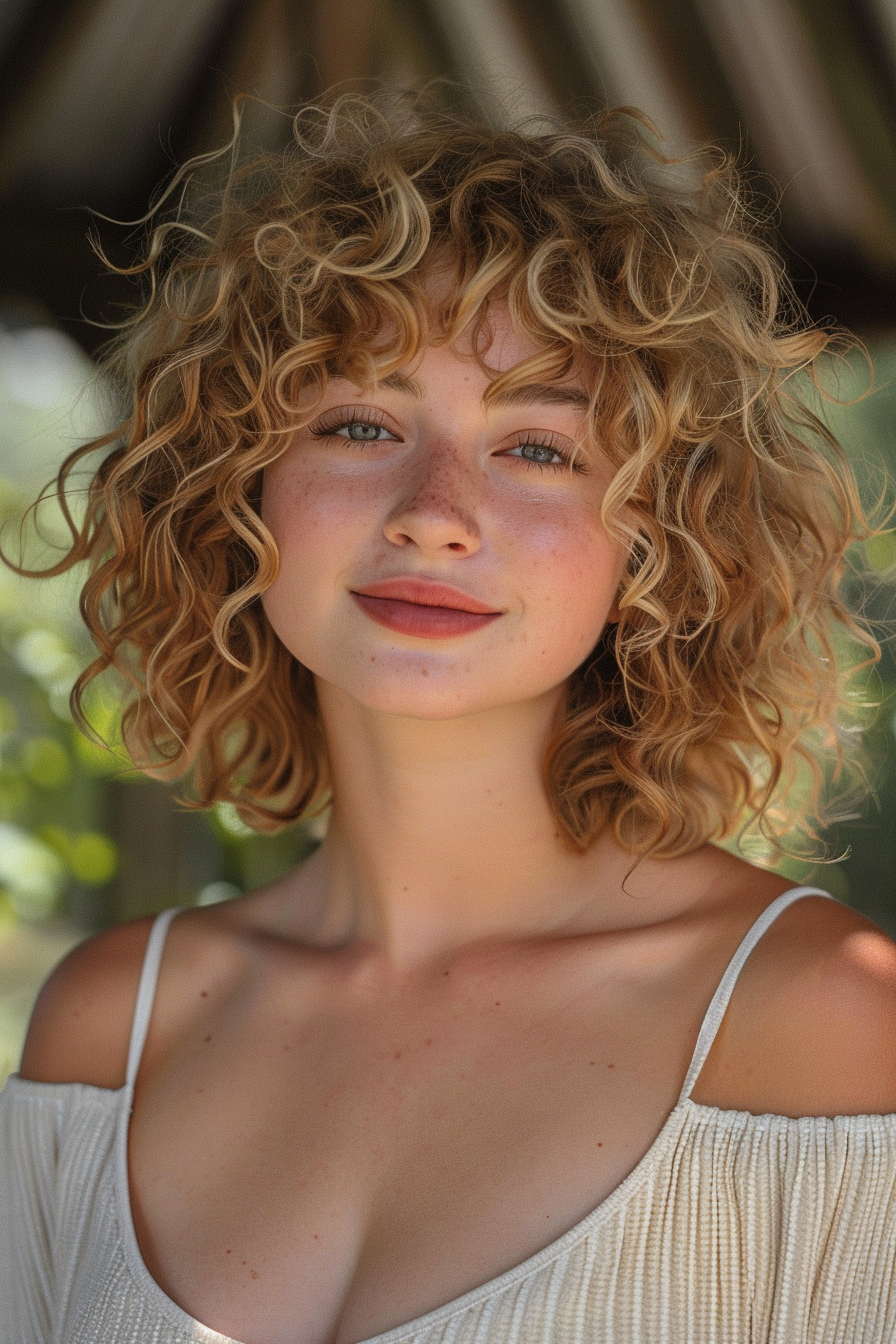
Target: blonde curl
pixel 736 505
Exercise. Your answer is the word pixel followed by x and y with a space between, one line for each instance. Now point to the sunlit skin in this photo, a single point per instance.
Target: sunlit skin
pixel 448 492
pixel 398 1071
pixel 431 738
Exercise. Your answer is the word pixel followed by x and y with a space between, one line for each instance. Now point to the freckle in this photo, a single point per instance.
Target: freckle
pixel 591 1061
pixel 286 1049
pixel 244 1262
pixel 397 1055
pixel 497 1003
pixel 447 972
pixel 611 1066
pixel 207 1039
pixel 600 1145
pixel 203 994
pixel 425 671
pixel 316 1237
pixel 200 1090
pixel 428 1041
pixel 228 1251
pixel 254 1273
pixel 373 657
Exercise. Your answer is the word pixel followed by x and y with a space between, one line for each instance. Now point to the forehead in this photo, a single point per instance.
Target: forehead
pixel 493 351
pixel 500 345
pixel 569 394
pixel 496 349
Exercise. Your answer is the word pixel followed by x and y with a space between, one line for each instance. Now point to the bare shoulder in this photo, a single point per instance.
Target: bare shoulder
pixel 811 1027
pixel 81 1025
pixel 81 1022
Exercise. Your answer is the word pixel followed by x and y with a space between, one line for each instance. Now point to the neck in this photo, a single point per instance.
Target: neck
pixel 442 834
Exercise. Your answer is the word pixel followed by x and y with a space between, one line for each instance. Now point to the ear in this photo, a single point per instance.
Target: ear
pixel 614 613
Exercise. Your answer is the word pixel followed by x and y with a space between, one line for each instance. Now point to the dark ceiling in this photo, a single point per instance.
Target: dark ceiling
pixel 100 98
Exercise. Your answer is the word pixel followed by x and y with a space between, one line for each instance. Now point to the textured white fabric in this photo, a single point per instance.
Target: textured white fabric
pixel 733 1229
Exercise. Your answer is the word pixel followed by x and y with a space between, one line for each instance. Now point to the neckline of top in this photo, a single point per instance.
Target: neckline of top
pixel 676 1119
pixel 121 1098
pixel 603 1211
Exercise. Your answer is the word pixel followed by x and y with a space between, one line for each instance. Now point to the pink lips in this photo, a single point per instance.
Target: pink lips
pixel 427 610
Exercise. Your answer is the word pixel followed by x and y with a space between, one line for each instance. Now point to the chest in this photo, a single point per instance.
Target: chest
pixel 318 1171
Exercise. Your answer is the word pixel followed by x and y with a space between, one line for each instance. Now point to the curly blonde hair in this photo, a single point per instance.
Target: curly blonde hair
pixel 722 678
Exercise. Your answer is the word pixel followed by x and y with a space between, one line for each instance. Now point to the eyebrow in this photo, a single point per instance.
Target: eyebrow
pixel 550 394
pixel 530 394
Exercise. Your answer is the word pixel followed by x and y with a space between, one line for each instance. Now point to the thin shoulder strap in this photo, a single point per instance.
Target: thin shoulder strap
pixel 719 1002
pixel 146 992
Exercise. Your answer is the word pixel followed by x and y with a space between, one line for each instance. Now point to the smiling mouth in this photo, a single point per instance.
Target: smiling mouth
pixel 424 610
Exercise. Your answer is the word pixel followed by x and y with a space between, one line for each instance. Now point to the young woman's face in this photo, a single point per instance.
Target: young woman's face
pixel 438 557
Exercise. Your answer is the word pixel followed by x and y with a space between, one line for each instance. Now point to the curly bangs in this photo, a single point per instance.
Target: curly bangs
pixel 721 684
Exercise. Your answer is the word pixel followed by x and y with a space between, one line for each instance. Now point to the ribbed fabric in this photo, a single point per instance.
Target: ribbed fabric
pixel 733 1229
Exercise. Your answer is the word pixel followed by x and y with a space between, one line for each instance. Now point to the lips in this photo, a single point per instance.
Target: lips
pixel 423 609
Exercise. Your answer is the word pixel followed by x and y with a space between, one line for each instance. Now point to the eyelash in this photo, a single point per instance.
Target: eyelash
pixel 342 420
pixel 566 459
pixel 330 429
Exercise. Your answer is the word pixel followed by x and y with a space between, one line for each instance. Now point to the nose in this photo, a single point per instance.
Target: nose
pixel 436 511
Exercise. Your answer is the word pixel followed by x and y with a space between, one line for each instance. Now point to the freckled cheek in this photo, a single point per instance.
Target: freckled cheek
pixel 314 551
pixel 573 572
pixel 316 521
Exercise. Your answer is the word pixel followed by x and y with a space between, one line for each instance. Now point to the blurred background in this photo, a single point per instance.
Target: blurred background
pixel 100 99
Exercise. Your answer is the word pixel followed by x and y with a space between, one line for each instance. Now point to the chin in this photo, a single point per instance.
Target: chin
pixel 417 686
pixel 427 691
pixel 435 700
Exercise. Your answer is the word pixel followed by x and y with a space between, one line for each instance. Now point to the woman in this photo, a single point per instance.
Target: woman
pixel 463 486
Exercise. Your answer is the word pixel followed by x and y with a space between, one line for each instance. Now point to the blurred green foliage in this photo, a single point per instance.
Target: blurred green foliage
pixel 63 794
pixel 55 783
pixel 860 408
pixel 51 816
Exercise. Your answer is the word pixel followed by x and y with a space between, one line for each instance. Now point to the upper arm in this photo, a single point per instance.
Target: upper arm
pixel 81 1024
pixel 811 1027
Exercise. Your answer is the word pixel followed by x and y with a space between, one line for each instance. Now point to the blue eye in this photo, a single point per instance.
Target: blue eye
pixel 361 431
pixel 353 427
pixel 537 452
pixel 539 455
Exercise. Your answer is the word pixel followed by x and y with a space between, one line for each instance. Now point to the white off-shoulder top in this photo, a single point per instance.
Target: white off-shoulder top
pixel 732 1229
